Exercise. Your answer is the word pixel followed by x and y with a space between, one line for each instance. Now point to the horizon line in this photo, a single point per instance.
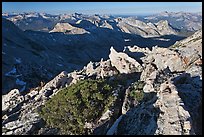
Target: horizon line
pixel 68 12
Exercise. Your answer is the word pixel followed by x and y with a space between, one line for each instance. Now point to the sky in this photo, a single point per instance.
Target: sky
pixel 137 8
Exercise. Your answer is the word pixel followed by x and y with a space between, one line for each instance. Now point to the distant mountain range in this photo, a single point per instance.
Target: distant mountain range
pixel 46 22
pixel 179 20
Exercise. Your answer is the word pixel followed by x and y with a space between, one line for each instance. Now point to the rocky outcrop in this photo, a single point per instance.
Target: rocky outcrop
pixel 161 110
pixel 171 105
pixel 68 29
pixel 124 63
pixel 173 115
pixel 164 28
pixel 162 58
pixel 100 70
pixel 190 49
pixel 138 49
pixel 59 81
pixel 20 111
pixel 11 100
pixel 134 26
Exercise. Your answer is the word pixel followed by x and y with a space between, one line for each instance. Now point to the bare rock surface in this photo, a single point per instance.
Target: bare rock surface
pixel 124 63
pixel 26 119
pixel 173 115
pixel 58 81
pixel 11 100
pixel 162 58
pixel 164 113
pixel 172 93
pixel 100 70
pixel 68 29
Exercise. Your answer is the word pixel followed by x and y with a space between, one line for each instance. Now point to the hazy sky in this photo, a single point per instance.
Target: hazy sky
pixel 102 7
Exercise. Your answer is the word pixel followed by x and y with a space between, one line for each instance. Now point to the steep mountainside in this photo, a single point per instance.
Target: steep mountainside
pixel 161 95
pixel 130 25
pixel 18 49
pixel 179 20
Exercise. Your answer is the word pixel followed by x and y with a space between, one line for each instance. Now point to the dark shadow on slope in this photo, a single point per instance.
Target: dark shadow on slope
pixel 97 44
pixel 140 120
pixel 120 79
pixel 136 121
pixel 136 55
pixel 191 95
pixel 162 41
pixel 130 124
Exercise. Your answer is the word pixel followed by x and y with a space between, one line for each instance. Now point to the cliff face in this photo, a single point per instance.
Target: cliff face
pixel 160 95
pixel 146 29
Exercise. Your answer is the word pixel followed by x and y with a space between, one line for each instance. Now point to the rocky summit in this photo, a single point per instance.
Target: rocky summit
pixel 101 75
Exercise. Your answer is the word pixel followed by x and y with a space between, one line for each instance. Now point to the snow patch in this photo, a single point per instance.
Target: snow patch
pixel 60 57
pixel 79 21
pixel 162 39
pixel 59 64
pixel 18 60
pixel 127 40
pixel 11 73
pixel 20 82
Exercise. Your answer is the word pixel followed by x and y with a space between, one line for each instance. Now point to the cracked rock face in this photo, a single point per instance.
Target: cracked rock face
pixel 164 28
pixel 174 79
pixel 11 100
pixel 163 113
pixel 58 81
pixel 100 70
pixel 163 58
pixel 173 118
pixel 124 63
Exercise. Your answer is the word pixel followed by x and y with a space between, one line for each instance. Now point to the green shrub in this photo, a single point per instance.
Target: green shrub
pixel 136 91
pixel 176 45
pixel 139 85
pixel 82 102
pixel 138 95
